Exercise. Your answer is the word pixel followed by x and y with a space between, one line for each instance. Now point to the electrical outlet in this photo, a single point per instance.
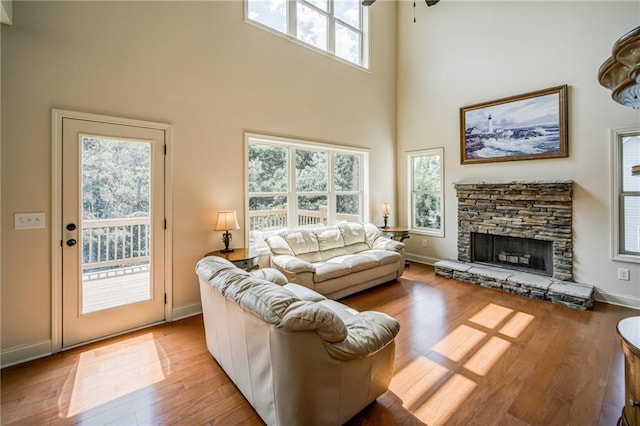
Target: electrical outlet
pixel 425 242
pixel 28 220
pixel 623 274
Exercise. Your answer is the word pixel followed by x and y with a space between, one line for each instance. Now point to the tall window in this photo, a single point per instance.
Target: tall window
pixel 425 196
pixel 627 189
pixel 337 27
pixel 293 183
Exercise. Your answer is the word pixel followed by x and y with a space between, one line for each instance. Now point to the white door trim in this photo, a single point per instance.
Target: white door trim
pixel 57 115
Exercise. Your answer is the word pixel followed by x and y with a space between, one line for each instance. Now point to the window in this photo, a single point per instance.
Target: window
pixel 336 27
pixel 425 196
pixel 293 183
pixel 626 235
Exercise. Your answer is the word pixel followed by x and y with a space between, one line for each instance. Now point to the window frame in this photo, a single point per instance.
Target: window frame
pixel 618 195
pixel 410 156
pixel 291 30
pixel 291 193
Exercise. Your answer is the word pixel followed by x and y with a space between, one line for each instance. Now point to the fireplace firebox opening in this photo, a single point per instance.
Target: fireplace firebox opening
pixel 521 254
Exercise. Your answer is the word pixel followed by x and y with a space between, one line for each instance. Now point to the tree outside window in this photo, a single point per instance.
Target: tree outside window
pixel 425 177
pixel 293 183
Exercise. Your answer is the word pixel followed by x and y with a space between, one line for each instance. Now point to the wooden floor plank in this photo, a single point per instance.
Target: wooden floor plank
pixel 464 355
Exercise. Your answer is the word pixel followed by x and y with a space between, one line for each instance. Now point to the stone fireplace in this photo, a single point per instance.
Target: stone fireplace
pixel 517 237
pixel 535 216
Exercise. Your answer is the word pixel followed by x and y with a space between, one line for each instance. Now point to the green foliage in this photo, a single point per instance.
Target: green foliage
pixel 268 174
pixel 115 179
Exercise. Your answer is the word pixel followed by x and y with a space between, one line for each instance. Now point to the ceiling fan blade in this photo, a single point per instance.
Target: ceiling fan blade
pixel 431 2
pixel 368 2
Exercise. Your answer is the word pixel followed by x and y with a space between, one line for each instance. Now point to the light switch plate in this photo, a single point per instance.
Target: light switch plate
pixel 28 220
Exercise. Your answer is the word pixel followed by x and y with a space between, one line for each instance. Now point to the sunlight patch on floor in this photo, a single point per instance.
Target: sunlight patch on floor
pixel 457 344
pixel 486 357
pixel 110 372
pixel 441 405
pixel 516 325
pixel 432 391
pixel 415 380
pixel 491 316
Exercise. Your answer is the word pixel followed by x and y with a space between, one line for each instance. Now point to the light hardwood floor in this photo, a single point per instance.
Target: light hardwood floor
pixel 465 355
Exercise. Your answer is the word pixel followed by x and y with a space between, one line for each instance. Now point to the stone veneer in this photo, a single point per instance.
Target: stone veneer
pixel 539 210
pixel 570 294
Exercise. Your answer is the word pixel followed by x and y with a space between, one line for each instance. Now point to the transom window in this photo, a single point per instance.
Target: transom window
pixel 627 190
pixel 425 196
pixel 336 27
pixel 293 183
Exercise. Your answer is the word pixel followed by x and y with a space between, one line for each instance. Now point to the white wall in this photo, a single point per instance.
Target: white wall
pixel 461 53
pixel 197 66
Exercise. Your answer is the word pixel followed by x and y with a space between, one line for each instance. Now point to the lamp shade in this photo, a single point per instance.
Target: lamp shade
pixel 385 208
pixel 227 219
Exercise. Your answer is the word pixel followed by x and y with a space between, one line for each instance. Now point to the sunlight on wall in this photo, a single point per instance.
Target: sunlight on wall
pixel 110 372
pixel 434 390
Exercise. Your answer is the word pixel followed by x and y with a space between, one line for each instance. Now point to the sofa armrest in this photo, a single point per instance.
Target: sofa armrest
pixel 384 243
pixel 367 333
pixel 292 264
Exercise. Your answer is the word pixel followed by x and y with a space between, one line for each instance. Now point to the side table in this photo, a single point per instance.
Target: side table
pixel 243 258
pixel 396 233
pixel 629 331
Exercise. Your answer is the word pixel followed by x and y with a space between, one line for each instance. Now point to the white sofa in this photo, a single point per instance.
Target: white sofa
pixel 297 357
pixel 337 260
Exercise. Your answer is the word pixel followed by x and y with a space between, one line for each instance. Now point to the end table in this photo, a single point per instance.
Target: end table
pixel 243 258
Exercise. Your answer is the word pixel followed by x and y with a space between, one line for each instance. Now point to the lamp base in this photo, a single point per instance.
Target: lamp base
pixel 226 239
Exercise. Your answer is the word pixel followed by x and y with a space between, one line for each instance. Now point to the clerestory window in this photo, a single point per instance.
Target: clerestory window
pixel 336 27
pixel 293 183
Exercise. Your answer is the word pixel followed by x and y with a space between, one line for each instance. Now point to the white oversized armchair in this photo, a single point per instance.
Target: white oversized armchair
pixel 298 357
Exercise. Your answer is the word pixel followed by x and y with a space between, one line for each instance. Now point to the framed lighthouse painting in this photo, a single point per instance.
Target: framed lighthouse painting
pixel 523 127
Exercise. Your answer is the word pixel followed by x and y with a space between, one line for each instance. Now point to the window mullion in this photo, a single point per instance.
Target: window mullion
pixel 292 18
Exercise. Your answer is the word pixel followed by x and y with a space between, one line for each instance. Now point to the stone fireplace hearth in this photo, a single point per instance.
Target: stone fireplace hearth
pixel 524 230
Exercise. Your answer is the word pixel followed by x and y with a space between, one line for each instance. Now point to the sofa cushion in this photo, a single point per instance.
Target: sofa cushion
pixel 358 262
pixel 278 245
pixel 271 275
pixel 329 238
pixel 343 311
pixel 304 293
pixel 384 256
pixel 352 233
pixel 302 241
pixel 357 248
pixel 334 252
pixel 266 300
pixel 327 270
pixel 306 315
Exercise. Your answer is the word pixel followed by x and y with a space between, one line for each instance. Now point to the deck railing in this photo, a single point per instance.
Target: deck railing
pixel 276 219
pixel 115 242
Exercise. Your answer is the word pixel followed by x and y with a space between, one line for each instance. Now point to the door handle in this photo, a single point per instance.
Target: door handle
pixel 71 242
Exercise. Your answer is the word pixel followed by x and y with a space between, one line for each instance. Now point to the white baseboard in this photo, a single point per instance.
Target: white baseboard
pixel 186 311
pixel 24 353
pixel 421 259
pixel 618 299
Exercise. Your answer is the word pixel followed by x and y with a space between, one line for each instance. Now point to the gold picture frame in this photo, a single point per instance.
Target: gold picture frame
pixel 523 127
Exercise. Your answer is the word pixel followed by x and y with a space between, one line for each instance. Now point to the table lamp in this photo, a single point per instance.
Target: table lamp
pixel 226 220
pixel 385 215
